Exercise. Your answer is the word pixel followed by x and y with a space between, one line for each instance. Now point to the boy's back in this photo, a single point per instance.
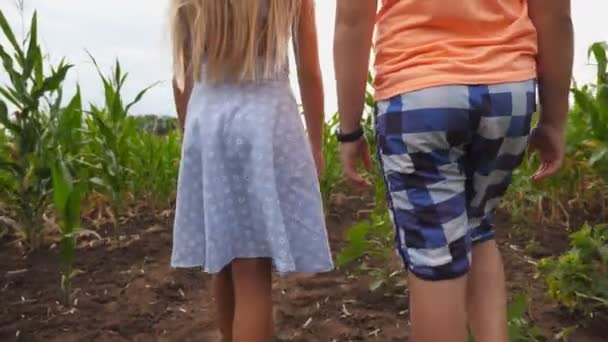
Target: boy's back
pixel 426 43
pixel 456 94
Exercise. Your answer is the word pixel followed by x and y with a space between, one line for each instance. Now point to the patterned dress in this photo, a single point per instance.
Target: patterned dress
pixel 247 184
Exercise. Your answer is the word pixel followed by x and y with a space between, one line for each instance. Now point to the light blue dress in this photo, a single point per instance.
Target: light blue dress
pixel 247 184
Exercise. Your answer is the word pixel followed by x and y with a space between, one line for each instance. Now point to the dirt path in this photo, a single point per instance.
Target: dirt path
pixel 127 292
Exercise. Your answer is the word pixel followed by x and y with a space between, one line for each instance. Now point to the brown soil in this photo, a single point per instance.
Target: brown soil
pixel 126 291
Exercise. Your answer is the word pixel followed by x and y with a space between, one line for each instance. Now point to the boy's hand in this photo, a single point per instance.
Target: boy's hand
pixel 549 143
pixel 351 154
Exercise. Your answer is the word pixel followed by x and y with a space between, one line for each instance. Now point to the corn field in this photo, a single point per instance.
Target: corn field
pixel 73 172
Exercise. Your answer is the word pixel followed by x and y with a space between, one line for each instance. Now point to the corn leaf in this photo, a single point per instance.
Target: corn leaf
pixel 53 82
pixel 586 103
pixel 32 58
pixel 62 186
pixel 7 62
pixel 139 96
pixel 10 98
pixel 6 121
pixel 10 36
pixel 599 156
pixel 598 50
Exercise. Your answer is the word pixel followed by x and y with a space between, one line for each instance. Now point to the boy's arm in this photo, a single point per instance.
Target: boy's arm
pixel 555 58
pixel 309 73
pixel 352 46
pixel 554 62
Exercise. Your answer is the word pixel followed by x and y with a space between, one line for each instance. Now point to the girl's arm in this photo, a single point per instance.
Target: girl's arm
pixel 182 96
pixel 309 77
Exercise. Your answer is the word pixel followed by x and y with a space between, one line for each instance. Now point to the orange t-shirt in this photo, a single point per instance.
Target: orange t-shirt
pixel 427 43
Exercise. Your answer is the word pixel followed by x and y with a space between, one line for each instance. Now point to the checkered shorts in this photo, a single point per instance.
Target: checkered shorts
pixel 447 155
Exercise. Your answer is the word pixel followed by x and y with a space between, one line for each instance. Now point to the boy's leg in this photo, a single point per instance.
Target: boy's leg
pixel 497 148
pixel 438 309
pixel 223 290
pixel 487 294
pixel 252 279
pixel 421 142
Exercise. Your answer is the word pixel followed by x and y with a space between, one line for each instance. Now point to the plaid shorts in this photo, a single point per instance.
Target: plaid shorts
pixel 448 154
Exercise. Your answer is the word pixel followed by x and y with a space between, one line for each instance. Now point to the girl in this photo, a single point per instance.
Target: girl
pixel 248 196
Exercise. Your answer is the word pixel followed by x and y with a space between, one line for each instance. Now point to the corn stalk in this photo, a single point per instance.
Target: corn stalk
pixel 113 135
pixel 25 177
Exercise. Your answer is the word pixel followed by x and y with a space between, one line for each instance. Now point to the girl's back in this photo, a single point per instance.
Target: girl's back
pixel 247 185
pixel 248 196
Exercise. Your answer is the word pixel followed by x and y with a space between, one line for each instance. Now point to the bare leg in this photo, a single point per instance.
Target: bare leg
pixel 252 280
pixel 487 294
pixel 223 290
pixel 438 310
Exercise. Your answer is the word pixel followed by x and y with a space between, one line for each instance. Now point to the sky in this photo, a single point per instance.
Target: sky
pixel 135 32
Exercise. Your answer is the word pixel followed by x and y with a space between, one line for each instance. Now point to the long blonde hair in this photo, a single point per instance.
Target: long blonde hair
pixel 231 37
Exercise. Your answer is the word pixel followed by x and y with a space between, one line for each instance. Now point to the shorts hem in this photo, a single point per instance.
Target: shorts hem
pixel 484 238
pixel 436 278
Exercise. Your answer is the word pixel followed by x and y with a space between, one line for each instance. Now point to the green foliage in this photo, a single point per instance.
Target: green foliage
pixel 588 126
pixel 25 175
pixel 68 195
pixel 156 165
pixel 520 329
pixel 331 179
pixel 578 279
pixel 56 153
pixel 113 136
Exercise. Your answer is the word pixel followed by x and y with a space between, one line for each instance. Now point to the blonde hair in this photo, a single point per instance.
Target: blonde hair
pixel 231 37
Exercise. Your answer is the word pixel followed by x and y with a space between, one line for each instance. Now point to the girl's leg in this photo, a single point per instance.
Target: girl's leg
pixel 252 279
pixel 223 290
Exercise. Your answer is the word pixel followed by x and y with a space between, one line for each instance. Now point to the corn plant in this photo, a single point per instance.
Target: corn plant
pixel 68 194
pixel 112 136
pixel 331 179
pixel 371 239
pixel 578 279
pixel 588 127
pixel 25 177
pixel 156 164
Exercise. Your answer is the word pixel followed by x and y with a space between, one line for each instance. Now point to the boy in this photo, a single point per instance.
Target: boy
pixel 455 89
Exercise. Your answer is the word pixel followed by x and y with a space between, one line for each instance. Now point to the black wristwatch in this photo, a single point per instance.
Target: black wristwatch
pixel 349 137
